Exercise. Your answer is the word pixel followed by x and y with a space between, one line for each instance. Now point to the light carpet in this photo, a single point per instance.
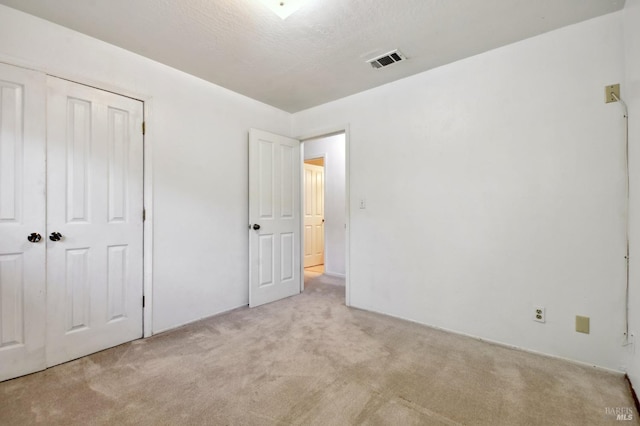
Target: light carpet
pixel 310 360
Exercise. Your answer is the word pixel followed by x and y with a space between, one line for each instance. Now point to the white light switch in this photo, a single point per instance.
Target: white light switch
pixel 363 204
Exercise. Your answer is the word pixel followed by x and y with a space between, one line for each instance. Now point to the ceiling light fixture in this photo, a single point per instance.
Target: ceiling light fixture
pixel 283 8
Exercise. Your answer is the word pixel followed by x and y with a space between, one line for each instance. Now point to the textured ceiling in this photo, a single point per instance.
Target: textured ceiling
pixel 318 53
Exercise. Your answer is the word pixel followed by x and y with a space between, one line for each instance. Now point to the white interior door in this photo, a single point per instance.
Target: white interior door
pixel 274 217
pixel 94 201
pixel 313 215
pixel 22 213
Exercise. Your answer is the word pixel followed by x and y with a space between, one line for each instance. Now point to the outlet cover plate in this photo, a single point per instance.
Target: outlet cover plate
pixel 539 314
pixel 608 90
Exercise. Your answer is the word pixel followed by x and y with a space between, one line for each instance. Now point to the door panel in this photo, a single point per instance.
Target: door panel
pixel 313 215
pixel 289 172
pixel 118 146
pixel 22 212
pixel 77 289
pixel 266 260
pixel 274 205
pixel 78 149
pixel 117 282
pixel 265 193
pixel 12 308
pixel 94 199
pixel 287 256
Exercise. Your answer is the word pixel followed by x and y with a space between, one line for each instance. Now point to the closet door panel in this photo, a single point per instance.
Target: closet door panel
pixel 22 221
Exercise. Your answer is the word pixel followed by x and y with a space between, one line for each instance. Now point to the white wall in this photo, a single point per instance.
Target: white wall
pixel 630 92
pixel 199 136
pixel 494 184
pixel 333 150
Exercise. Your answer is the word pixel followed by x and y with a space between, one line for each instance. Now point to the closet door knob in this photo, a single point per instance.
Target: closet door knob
pixel 256 226
pixel 34 237
pixel 55 236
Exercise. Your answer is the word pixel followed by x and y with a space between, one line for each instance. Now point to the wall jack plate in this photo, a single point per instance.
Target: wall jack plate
pixel 582 324
pixel 608 90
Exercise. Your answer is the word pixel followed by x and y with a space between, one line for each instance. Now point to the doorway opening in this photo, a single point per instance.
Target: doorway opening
pixel 324 206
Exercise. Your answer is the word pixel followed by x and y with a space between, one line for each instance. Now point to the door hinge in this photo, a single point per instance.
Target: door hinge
pixel 144 214
pixel 143 301
pixel 144 128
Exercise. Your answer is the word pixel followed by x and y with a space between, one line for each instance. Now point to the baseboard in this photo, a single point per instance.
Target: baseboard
pixel 164 330
pixel 497 343
pixel 334 274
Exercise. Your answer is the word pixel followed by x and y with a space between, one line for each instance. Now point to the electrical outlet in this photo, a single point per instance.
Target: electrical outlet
pixel 363 203
pixel 609 91
pixel 538 314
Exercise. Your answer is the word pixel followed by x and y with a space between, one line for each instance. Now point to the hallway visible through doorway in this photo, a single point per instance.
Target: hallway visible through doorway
pixel 324 205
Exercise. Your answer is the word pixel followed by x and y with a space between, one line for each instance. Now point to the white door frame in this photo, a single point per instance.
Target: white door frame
pixel 148 138
pixel 347 155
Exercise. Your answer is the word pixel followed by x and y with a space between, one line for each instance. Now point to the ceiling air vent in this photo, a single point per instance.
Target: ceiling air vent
pixel 387 59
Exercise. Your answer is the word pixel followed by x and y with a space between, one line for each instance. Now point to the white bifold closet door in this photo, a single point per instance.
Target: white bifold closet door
pixel 94 210
pixel 71 191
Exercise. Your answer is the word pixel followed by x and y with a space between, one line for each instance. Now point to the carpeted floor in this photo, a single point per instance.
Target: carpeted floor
pixel 310 360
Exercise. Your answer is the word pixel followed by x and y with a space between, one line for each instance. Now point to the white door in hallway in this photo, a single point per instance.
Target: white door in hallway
pixel 22 213
pixel 274 217
pixel 313 215
pixel 94 220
